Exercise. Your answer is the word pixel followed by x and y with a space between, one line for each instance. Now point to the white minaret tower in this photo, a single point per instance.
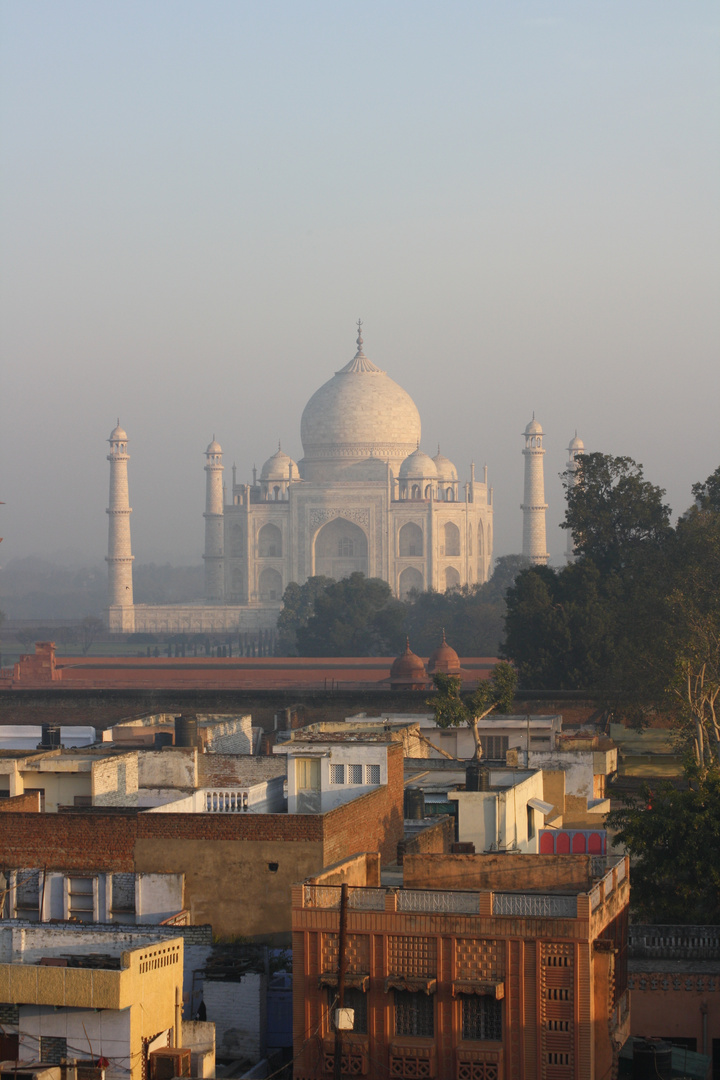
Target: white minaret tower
pixel 575 449
pixel 534 505
pixel 121 615
pixel 214 525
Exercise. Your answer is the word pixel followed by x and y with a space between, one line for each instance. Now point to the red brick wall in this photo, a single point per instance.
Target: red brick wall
pixel 68 841
pixel 28 803
pixel 374 822
pixel 435 840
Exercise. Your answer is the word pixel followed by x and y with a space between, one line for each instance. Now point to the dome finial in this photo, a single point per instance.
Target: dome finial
pixel 359 338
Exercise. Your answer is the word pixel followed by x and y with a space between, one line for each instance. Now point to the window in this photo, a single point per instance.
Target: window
pixel 530 822
pixel 481 1017
pixel 123 892
pixel 27 895
pixel 494 747
pixel 414 1014
pixel 307 774
pixel 355 774
pixel 346 547
pixel 81 898
pixel 372 774
pixel 337 774
pixel 357 1001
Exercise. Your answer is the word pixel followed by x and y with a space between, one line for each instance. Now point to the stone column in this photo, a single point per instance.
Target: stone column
pixel 214 525
pixel 534 505
pixel 119 556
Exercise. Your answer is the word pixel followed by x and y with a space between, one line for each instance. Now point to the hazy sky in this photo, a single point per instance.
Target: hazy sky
pixel 200 198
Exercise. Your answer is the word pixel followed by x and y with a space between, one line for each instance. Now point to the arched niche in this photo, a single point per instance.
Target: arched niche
pixel 410 579
pixel 452 578
pixel 269 542
pixel 410 541
pixel 340 549
pixel 452 538
pixel 270 585
pixel 236 583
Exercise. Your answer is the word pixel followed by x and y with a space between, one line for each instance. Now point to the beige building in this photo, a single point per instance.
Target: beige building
pixel 365 497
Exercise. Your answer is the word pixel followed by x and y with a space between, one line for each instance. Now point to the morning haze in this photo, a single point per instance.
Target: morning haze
pixel 200 200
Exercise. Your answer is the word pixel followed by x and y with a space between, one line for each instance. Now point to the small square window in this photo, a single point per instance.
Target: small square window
pixel 337 774
pixel 355 774
pixel 373 774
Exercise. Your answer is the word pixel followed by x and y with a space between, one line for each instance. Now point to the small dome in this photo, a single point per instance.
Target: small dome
pixel 444 660
pixel 576 444
pixel 280 467
pixel 445 468
pixel 118 434
pixel 214 447
pixel 408 669
pixel 533 427
pixel 418 466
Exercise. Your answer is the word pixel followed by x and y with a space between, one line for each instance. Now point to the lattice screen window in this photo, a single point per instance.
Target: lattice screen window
pixel 481 1017
pixel 494 747
pixel 372 774
pixel 27 895
pixel 414 1014
pixel 412 955
pixel 355 774
pixel 337 774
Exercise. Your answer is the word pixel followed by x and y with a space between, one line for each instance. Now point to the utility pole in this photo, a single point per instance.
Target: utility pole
pixel 342 969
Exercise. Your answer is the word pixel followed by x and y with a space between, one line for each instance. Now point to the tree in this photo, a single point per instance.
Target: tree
pixel 492 695
pixel 356 616
pixel 673 837
pixel 612 510
pixel 90 627
pixel 298 607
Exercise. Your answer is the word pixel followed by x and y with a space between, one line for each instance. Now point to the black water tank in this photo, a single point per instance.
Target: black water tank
pixel 652 1059
pixel 186 731
pixel 477 777
pixel 414 804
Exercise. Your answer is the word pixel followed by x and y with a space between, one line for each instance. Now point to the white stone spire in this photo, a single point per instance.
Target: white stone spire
pixel 214 524
pixel 575 449
pixel 119 556
pixel 534 505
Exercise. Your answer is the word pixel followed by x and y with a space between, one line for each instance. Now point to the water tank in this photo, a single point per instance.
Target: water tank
pixel 414 804
pixel 652 1059
pixel 477 777
pixel 186 731
pixel 50 737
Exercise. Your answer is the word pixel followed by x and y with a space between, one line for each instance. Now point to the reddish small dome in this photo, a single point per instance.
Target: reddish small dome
pixel 408 670
pixel 444 661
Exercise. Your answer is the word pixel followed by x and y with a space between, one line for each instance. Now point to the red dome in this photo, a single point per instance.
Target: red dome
pixel 408 670
pixel 444 661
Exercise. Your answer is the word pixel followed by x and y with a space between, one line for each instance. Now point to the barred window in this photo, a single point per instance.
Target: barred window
pixel 355 774
pixel 337 774
pixel 481 1017
pixel 414 1014
pixel 494 747
pixel 373 774
pixel 356 1000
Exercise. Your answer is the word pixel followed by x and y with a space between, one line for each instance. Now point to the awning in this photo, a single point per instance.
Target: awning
pixel 354 982
pixel 542 807
pixel 414 984
pixel 487 988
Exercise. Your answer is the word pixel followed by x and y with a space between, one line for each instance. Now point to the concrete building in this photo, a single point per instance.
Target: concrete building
pixel 115 1005
pixel 534 507
pixel 364 497
pixel 481 967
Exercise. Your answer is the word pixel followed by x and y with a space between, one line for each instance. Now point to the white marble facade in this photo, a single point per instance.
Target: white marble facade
pixel 364 498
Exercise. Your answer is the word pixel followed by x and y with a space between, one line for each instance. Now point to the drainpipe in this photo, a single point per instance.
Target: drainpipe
pixel 178 1018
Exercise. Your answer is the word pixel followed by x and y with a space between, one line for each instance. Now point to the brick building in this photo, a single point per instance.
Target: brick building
pixel 479 968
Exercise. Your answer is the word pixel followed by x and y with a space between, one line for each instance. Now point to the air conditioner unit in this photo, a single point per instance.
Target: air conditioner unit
pixel 169 1062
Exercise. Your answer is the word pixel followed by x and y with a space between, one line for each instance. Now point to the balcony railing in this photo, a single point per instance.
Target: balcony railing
pixel 535 905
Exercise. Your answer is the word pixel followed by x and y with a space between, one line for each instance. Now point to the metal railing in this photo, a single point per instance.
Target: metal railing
pixel 465 903
pixel 535 905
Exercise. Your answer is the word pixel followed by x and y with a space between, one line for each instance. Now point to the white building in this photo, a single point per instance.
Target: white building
pixel 364 498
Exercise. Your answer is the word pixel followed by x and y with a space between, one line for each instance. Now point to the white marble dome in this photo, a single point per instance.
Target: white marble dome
pixel 358 414
pixel 576 443
pixel 280 467
pixel 418 466
pixel 214 447
pixel 533 427
pixel 118 434
pixel 445 469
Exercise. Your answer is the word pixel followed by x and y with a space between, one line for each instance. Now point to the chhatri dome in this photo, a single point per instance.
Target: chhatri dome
pixel 445 468
pixel 280 467
pixel 358 414
pixel 576 443
pixel 533 427
pixel 418 466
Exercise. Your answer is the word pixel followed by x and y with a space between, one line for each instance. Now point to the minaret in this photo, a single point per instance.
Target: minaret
pixel 575 449
pixel 119 556
pixel 534 505
pixel 214 525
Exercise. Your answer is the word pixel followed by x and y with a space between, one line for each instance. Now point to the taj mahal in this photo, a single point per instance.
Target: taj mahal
pixel 364 497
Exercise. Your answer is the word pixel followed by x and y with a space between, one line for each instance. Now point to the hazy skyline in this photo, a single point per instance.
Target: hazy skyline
pixel 199 200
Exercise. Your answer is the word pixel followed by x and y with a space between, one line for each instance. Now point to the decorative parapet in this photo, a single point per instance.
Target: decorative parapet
pixel 659 980
pixel 674 942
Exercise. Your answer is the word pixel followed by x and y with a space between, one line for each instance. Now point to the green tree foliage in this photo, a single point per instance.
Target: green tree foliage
pixel 357 616
pixel 452 709
pixel 673 837
pixel 298 606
